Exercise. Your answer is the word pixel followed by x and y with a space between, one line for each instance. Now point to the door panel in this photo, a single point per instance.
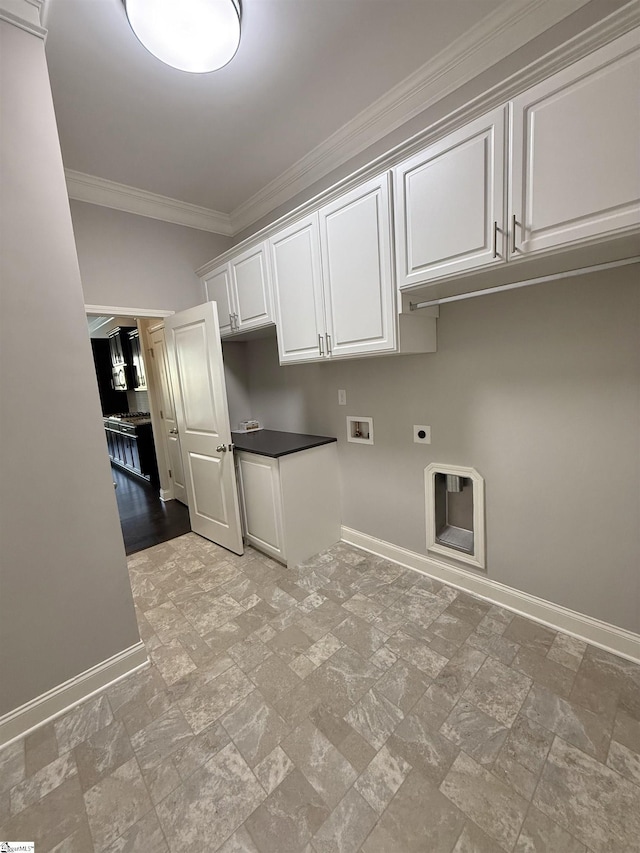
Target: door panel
pixel 200 397
pixel 356 263
pixel 169 422
pixel 297 280
pixel 251 287
pixel 576 170
pixel 262 504
pixel 205 474
pixel 195 380
pixel 447 199
pixel 218 289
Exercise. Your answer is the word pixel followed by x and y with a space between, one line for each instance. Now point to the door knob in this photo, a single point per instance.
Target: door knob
pixel 221 448
pixel 173 431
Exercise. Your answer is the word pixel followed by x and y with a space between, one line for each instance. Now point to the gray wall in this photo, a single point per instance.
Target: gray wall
pixel 129 261
pixel 236 373
pixel 536 388
pixel 65 597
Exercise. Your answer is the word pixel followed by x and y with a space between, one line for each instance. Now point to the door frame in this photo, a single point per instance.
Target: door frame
pixel 157 314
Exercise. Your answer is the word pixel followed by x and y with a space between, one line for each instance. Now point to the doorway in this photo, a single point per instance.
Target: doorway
pixel 144 518
pixel 134 436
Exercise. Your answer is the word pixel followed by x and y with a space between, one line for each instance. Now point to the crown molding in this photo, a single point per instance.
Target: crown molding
pixel 24 14
pixel 508 28
pixel 104 193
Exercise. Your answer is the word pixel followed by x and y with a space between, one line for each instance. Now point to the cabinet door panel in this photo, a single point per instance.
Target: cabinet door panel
pixel 297 285
pixel 448 198
pixel 262 502
pixel 356 264
pixel 252 288
pixel 576 170
pixel 218 289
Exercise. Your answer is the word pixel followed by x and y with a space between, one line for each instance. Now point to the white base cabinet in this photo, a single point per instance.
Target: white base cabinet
pixel 290 504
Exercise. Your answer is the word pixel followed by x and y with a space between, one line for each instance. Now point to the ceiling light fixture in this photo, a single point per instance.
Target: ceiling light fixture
pixel 191 35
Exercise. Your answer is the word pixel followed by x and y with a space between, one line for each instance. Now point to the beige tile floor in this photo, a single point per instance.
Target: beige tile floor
pixel 345 705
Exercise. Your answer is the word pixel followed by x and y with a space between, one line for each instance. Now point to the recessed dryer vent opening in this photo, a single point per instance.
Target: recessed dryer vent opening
pixel 455 513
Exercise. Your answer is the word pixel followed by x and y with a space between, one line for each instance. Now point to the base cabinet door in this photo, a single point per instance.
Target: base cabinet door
pixel 575 162
pixel 450 203
pixel 290 505
pixel 262 503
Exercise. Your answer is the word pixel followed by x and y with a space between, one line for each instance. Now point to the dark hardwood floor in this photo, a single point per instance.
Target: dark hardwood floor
pixel 144 518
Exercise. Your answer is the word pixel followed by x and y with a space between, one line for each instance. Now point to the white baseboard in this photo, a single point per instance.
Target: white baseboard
pixel 619 641
pixel 166 494
pixel 60 699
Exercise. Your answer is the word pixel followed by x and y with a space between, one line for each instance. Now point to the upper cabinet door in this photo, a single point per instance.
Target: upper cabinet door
pixel 218 289
pixel 449 203
pixel 355 240
pixel 575 158
pixel 297 290
pixel 251 285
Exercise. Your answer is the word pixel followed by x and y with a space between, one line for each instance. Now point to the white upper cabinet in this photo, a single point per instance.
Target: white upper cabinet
pixel 575 156
pixel 251 286
pixel 218 289
pixel 298 294
pixel 355 239
pixel 449 203
pixel 552 175
pixel 333 282
pixel 242 290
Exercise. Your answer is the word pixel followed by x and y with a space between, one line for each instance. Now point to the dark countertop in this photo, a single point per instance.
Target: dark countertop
pixel 269 442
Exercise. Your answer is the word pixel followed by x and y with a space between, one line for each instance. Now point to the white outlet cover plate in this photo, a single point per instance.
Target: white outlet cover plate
pixel 427 437
pixel 342 398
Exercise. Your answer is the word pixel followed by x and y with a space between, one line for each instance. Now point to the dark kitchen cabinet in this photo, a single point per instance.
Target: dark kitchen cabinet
pixel 121 357
pixel 131 448
pixel 139 377
pixel 110 399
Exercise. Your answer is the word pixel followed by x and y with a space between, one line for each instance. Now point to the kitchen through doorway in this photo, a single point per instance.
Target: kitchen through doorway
pixel 131 402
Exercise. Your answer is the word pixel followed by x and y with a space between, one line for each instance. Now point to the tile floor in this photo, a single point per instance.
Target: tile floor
pixel 344 705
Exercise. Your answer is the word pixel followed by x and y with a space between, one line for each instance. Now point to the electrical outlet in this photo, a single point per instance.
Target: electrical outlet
pixel 342 398
pixel 422 434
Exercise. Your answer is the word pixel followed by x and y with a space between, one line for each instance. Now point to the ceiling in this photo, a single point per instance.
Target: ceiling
pixel 303 70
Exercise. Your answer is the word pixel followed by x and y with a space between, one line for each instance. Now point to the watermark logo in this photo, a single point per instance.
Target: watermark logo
pixel 17 847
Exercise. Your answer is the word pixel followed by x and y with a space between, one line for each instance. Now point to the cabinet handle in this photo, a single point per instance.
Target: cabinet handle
pixel 513 234
pixel 320 345
pixel 495 239
pixel 328 344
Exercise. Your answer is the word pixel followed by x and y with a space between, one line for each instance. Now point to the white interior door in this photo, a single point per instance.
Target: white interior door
pixel 200 396
pixel 168 416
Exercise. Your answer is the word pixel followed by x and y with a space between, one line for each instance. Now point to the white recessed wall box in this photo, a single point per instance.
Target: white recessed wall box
pixel 360 430
pixel 454 499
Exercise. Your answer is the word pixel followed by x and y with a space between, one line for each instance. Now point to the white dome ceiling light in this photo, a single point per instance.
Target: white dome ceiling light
pixel 192 35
